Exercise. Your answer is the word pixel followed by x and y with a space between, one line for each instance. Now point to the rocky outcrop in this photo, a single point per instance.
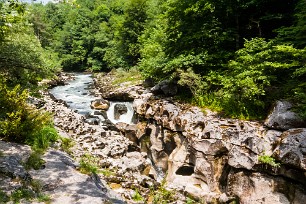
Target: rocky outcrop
pixel 291 148
pixel 258 188
pixel 214 158
pixel 119 109
pixel 197 153
pixel 99 104
pixel 59 177
pixel 166 87
pixel 120 92
pixel 60 79
pixel 125 167
pixel 283 118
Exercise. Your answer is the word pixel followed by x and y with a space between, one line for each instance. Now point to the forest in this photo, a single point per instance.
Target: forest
pixel 236 56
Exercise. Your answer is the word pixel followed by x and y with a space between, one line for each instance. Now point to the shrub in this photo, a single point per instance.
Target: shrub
pixel 44 137
pixel 19 122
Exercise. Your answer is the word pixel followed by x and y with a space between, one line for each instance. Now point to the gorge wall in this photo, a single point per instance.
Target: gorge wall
pixel 214 159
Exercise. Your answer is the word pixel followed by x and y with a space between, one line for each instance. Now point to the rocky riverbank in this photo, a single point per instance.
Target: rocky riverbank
pixel 214 159
pixel 174 153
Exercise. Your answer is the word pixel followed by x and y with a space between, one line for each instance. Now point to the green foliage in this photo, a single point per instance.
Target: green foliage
pixel 4 198
pixel 44 138
pixel 132 76
pixel 11 13
pixel 22 193
pixel 29 191
pixel 107 172
pixel 252 80
pixel 23 60
pixel 66 144
pixel 257 67
pixel 225 52
pixel 190 201
pixel 137 196
pixel 295 33
pixel 15 114
pixel 34 161
pixel 22 123
pixel 133 26
pixel 265 159
pixel 162 195
pixel 88 164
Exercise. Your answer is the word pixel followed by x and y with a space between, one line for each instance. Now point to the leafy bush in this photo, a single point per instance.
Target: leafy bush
pixel 22 123
pixel 44 137
pixel 261 73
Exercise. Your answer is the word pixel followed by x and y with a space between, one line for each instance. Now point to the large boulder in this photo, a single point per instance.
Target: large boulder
pixel 260 188
pixel 129 131
pixel 292 148
pixel 283 118
pixel 119 109
pixel 166 87
pixel 100 104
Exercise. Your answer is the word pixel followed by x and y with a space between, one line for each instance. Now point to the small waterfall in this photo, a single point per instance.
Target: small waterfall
pixel 126 117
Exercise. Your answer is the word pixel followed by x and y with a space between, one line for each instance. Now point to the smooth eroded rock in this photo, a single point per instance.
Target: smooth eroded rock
pixel 100 104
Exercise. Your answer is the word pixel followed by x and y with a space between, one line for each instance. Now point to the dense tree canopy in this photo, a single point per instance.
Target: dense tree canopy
pixel 236 56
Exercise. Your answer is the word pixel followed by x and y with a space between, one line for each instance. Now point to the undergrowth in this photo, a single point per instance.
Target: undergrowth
pixel 265 159
pixel 67 144
pixel 137 196
pixel 34 161
pixel 22 123
pixel 89 164
pixel 132 75
pixel 161 195
pixel 30 191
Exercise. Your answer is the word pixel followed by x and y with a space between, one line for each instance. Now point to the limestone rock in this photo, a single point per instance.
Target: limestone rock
pixel 283 118
pixel 166 87
pixel 258 188
pixel 100 104
pixel 11 166
pixel 119 109
pixel 292 148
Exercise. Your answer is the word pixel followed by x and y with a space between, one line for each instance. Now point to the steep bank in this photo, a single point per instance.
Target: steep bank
pixel 214 159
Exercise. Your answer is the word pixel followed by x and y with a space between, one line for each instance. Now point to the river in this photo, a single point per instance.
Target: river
pixel 77 95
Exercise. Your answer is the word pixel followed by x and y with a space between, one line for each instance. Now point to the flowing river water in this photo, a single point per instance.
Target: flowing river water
pixel 77 95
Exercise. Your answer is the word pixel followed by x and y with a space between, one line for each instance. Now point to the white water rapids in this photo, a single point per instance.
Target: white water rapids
pixel 78 97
